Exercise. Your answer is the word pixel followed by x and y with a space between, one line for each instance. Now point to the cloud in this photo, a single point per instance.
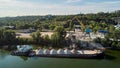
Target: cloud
pixel 71 1
pixel 19 8
pixel 6 1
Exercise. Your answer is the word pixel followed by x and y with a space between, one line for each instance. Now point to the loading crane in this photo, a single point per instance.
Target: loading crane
pixel 80 22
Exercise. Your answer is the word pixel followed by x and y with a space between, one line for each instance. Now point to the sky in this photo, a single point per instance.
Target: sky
pixel 55 7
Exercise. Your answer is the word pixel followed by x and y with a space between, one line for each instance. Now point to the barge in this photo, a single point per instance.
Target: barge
pixel 88 54
pixel 60 53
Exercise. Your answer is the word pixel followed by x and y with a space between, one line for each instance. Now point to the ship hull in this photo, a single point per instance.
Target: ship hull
pixel 86 56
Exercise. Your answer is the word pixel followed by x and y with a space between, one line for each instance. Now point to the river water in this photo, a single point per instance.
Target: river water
pixel 9 61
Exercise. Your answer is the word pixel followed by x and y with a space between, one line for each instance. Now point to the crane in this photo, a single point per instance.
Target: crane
pixel 80 22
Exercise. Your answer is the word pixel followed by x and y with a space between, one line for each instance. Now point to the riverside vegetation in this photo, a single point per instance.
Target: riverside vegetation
pixel 59 24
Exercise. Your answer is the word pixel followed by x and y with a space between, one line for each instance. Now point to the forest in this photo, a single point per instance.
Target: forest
pixel 59 24
pixel 50 21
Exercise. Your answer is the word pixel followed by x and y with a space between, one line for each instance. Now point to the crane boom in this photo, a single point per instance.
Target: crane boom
pixel 80 22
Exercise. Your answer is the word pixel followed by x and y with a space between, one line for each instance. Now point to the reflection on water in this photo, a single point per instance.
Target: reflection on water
pixel 2 54
pixel 112 60
pixel 24 58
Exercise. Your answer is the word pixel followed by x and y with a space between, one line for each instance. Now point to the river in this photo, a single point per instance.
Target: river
pixel 9 61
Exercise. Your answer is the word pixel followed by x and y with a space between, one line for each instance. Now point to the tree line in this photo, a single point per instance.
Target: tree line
pixel 50 21
pixel 8 37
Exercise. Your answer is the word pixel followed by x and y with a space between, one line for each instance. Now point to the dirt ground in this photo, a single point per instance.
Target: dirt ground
pixel 27 35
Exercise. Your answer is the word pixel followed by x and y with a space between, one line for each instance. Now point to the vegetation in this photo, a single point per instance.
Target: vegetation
pixel 36 36
pixel 111 40
pixel 59 24
pixel 51 21
pixel 58 38
pixel 7 37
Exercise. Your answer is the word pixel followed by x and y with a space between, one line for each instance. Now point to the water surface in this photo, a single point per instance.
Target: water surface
pixel 9 61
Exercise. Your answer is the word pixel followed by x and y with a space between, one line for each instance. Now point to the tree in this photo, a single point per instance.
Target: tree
pixel 55 39
pixel 96 28
pixel 115 35
pixel 113 38
pixel 92 24
pixel 58 37
pixel 7 37
pixel 36 36
pixel 52 27
pixel 47 40
pixel 60 30
pixel 111 28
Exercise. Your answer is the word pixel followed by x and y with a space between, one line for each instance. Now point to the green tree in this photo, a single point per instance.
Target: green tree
pixel 58 36
pixel 60 30
pixel 52 27
pixel 7 37
pixel 96 28
pixel 47 40
pixel 111 28
pixel 36 36
pixel 92 24
pixel 55 39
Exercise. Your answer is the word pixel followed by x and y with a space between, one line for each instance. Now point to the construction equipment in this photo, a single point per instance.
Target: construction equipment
pixel 82 27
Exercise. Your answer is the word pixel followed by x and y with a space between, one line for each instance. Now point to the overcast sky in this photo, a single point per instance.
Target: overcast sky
pixel 55 7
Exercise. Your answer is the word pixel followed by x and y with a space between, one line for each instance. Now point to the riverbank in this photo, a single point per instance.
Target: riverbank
pixel 113 55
